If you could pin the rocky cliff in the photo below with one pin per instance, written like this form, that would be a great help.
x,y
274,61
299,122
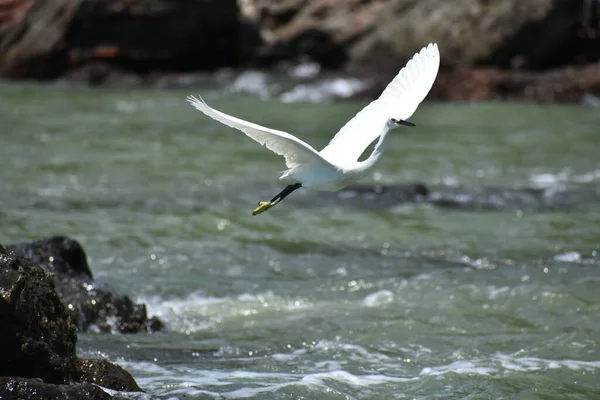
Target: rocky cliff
x,y
505,49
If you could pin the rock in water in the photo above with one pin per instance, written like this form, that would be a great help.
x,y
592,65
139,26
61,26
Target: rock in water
x,y
12,388
91,306
37,335
38,341
107,374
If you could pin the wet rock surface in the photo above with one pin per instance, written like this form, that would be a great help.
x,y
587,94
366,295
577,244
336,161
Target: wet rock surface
x,y
106,374
458,198
12,388
37,335
38,339
569,84
91,306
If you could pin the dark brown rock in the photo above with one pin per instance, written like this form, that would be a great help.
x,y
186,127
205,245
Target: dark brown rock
x,y
15,388
38,336
165,34
569,84
32,38
90,305
106,374
532,34
45,38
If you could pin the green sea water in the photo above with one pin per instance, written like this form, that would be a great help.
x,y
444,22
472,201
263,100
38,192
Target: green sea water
x,y
320,297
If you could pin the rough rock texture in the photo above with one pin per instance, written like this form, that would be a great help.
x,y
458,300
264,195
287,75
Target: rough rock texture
x,y
38,339
42,39
36,333
573,84
12,388
570,84
31,37
491,50
537,50
521,33
90,306
106,374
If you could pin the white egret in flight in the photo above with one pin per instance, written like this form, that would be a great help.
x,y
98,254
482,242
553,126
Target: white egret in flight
x,y
337,165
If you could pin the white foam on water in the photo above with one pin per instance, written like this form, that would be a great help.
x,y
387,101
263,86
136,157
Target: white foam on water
x,y
502,363
251,82
548,180
326,89
536,364
198,312
570,256
180,380
173,380
320,379
592,176
458,367
378,298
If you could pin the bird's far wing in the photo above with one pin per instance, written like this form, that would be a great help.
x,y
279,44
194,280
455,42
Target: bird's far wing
x,y
294,150
399,100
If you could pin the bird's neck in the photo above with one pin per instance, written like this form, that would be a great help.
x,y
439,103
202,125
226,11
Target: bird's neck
x,y
379,148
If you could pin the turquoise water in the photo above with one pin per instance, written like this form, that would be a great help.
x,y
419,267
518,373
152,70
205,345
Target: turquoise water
x,y
322,297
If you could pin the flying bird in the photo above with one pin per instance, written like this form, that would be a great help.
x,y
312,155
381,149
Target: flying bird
x,y
337,165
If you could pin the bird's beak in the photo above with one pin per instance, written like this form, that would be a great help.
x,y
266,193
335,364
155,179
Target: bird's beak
x,y
403,122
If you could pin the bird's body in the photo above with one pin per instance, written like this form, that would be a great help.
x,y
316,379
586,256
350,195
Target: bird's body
x,y
337,165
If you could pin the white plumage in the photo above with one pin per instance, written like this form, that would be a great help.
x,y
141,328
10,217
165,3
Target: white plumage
x,y
399,100
337,164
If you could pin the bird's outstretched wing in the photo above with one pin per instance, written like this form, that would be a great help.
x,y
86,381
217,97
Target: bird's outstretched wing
x,y
294,150
399,100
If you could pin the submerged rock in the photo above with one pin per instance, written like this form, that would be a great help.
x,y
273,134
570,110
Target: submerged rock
x,y
38,339
460,198
91,306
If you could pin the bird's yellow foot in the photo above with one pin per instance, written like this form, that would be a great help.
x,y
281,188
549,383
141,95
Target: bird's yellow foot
x,y
262,207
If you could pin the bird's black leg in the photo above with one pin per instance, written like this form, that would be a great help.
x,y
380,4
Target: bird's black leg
x,y
403,122
265,205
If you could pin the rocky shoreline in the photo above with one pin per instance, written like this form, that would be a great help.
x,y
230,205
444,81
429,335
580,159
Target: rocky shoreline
x,y
517,50
45,299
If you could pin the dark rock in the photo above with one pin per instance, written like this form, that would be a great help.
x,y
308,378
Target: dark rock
x,y
532,50
535,34
36,333
383,196
569,84
91,306
106,374
13,388
100,72
156,33
31,38
474,199
42,39
38,336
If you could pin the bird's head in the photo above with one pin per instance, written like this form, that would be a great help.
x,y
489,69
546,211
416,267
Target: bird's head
x,y
395,123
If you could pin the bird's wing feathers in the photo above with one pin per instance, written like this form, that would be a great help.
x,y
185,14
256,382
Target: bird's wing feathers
x,y
399,100
294,150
